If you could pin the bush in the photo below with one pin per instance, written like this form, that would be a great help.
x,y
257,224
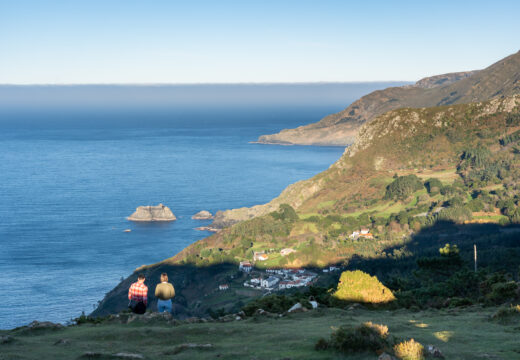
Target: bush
x,y
457,214
366,337
285,213
409,350
403,186
502,291
357,286
475,205
507,315
511,138
476,157
433,185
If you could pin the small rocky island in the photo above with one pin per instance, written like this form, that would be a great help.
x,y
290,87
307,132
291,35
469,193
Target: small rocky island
x,y
202,215
152,213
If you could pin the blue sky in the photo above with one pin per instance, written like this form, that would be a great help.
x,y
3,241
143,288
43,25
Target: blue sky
x,y
152,41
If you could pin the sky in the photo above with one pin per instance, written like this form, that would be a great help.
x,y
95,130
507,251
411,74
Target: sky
x,y
197,41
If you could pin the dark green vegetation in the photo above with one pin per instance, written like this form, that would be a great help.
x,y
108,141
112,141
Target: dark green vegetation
x,y
459,333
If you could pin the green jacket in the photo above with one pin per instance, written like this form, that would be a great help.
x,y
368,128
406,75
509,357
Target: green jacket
x,y
164,291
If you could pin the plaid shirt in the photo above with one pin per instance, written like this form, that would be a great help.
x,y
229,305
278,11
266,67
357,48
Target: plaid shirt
x,y
138,292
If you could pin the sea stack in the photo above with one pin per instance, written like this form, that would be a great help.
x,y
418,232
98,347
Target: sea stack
x,y
202,215
152,213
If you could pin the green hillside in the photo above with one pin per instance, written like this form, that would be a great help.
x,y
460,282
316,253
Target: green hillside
x,y
409,169
416,179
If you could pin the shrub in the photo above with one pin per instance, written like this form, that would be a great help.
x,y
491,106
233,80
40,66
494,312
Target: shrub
x,y
403,186
322,344
503,291
475,205
449,250
366,337
514,137
409,350
476,157
507,314
285,213
433,185
357,286
457,214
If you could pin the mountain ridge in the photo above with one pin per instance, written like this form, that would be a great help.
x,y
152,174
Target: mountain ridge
x,y
497,80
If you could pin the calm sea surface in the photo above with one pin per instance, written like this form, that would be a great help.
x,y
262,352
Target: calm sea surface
x,y
69,176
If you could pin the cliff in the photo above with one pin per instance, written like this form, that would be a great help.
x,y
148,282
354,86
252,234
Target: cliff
x,y
152,213
498,80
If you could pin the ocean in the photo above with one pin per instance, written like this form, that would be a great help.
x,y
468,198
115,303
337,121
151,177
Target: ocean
x,y
76,161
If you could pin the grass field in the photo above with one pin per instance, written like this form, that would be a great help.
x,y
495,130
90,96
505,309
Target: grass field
x,y
459,333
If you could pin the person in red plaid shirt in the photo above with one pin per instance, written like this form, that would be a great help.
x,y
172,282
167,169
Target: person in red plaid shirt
x,y
138,295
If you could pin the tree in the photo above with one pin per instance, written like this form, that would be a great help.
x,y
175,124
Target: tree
x,y
403,186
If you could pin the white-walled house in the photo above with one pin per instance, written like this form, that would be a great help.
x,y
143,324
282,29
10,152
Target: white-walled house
x,y
245,266
269,282
223,287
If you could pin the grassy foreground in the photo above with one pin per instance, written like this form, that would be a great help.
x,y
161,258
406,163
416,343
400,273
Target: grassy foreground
x,y
459,333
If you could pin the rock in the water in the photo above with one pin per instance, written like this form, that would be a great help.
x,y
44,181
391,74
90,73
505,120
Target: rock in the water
x,y
152,213
202,215
207,228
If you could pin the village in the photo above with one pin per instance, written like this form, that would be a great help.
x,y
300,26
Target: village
x,y
277,279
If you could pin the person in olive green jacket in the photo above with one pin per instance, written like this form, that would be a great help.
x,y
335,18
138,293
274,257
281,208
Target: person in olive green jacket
x,y
165,292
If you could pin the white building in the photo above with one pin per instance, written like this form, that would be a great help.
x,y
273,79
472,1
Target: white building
x,y
223,287
269,282
245,266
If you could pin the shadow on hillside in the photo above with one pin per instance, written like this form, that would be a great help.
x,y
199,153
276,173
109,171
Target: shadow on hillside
x,y
498,248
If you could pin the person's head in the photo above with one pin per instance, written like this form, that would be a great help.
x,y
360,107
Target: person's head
x,y
164,277
141,278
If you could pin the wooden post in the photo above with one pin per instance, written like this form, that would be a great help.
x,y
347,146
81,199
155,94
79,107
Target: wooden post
x,y
475,255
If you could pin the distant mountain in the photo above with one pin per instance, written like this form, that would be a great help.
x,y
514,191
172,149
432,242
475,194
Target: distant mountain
x,y
497,81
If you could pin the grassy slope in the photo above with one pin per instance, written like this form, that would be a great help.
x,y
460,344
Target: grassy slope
x,y
426,142
460,334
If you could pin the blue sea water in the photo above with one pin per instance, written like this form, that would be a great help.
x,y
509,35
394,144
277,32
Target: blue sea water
x,y
70,175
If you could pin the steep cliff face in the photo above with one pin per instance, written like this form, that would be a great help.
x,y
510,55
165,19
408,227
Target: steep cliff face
x,y
152,213
498,80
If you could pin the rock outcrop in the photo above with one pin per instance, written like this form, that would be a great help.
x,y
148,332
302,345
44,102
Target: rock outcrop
x,y
202,215
152,213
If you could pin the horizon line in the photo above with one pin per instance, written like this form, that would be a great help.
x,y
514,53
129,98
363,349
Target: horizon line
x,y
212,83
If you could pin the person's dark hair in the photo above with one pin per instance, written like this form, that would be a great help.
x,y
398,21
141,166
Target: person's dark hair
x,y
140,277
164,277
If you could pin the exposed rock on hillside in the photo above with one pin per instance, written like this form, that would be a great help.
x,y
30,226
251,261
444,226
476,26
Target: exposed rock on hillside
x,y
152,213
498,80
443,80
202,215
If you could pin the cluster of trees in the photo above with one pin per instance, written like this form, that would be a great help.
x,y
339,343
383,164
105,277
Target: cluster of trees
x,y
403,186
